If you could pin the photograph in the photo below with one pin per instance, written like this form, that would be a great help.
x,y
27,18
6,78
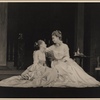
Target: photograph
x,y
49,50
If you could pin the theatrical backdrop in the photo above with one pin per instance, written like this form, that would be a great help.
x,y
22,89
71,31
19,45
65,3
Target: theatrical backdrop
x,y
22,24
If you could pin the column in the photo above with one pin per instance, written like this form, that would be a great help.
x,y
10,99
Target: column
x,y
79,28
3,33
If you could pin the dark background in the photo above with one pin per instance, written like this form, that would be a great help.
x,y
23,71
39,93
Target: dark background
x,y
38,20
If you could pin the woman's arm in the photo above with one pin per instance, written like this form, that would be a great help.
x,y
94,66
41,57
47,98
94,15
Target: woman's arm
x,y
35,59
49,48
66,53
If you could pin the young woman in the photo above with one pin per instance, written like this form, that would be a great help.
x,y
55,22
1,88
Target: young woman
x,y
36,75
69,72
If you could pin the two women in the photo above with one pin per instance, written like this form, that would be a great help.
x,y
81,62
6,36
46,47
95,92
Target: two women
x,y
64,71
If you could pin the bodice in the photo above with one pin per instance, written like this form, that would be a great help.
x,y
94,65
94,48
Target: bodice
x,y
39,57
58,54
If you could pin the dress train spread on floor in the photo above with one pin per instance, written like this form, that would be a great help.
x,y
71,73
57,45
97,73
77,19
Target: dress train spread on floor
x,y
65,72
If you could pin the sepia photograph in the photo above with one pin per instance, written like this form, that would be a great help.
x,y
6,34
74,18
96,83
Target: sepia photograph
x,y
49,50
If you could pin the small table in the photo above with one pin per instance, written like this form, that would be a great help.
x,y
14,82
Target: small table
x,y
97,71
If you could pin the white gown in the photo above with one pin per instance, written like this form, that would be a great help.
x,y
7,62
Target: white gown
x,y
65,72
36,75
70,73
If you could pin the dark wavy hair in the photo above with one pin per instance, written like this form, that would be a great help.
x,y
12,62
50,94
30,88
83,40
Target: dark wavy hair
x,y
37,44
57,33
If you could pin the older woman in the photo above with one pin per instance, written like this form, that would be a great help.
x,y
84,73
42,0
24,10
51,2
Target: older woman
x,y
70,73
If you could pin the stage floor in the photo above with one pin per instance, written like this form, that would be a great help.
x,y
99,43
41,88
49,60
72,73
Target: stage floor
x,y
44,92
8,73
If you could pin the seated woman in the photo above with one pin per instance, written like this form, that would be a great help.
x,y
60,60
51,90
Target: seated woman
x,y
70,74
37,74
39,64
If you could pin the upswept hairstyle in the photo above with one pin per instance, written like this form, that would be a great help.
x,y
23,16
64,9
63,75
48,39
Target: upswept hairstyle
x,y
57,33
38,43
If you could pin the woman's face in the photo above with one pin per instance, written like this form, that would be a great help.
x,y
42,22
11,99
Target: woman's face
x,y
43,45
55,39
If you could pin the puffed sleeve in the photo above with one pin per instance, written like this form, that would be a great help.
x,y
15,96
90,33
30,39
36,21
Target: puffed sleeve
x,y
66,52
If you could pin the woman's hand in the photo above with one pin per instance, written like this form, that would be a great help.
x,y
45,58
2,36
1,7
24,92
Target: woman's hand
x,y
24,77
31,79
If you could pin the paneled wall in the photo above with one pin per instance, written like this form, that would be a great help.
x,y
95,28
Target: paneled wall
x,y
3,33
92,35
79,28
12,34
95,36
